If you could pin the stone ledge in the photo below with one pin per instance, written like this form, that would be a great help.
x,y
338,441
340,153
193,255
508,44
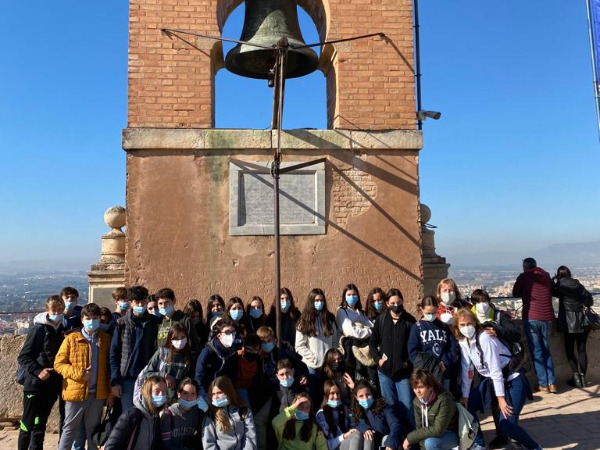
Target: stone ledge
x,y
299,139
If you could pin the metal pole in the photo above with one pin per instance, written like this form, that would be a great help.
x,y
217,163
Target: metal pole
x,y
417,60
592,48
279,78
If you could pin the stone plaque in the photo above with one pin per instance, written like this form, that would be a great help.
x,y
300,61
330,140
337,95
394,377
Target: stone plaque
x,y
301,199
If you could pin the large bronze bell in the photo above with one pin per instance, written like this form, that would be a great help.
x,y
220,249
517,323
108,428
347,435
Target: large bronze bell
x,y
265,23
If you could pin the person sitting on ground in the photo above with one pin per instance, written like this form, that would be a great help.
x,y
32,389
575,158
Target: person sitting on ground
x,y
296,428
374,419
228,424
435,414
138,428
334,420
181,422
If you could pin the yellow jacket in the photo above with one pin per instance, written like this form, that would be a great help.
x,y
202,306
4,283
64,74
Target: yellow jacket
x,y
73,357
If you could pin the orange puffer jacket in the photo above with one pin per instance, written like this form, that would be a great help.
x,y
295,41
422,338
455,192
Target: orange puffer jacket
x,y
73,357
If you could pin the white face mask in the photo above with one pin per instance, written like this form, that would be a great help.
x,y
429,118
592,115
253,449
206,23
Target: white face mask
x,y
178,344
468,331
448,297
482,308
227,340
429,317
447,318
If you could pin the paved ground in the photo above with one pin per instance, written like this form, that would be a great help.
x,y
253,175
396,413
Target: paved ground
x,y
567,420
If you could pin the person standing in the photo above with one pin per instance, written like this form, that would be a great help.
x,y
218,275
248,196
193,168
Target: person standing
x,y
389,348
42,384
534,286
572,300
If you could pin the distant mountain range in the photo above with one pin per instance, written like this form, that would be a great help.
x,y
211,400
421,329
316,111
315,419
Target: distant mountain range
x,y
584,254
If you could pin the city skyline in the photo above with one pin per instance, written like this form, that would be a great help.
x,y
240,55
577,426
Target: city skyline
x,y
510,166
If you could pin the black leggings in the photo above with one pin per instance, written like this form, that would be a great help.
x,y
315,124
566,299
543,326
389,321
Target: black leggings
x,y
578,364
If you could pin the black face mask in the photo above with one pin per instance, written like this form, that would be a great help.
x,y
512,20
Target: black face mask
x,y
338,366
396,309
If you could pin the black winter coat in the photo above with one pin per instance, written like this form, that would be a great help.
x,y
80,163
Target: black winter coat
x,y
572,298
38,353
391,340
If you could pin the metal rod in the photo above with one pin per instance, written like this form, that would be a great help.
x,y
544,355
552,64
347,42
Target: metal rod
x,y
335,41
169,31
417,61
301,165
592,48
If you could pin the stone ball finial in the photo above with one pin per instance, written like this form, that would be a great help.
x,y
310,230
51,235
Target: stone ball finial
x,y
115,217
425,214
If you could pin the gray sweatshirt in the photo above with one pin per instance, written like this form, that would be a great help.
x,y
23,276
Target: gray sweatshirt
x,y
241,437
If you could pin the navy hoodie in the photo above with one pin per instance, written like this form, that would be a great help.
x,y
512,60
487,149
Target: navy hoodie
x,y
434,338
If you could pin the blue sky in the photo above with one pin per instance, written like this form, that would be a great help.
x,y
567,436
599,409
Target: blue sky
x,y
512,164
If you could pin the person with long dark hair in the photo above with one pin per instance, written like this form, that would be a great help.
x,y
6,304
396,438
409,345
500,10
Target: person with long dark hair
x,y
289,318
334,420
255,313
181,422
193,309
573,298
375,303
334,369
375,419
296,428
317,332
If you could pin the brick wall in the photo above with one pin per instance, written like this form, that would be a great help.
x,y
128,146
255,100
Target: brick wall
x,y
370,83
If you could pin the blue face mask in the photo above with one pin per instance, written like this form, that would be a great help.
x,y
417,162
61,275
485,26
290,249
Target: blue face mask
x,y
139,310
159,400
366,403
69,306
301,416
220,402
334,403
166,311
236,314
202,404
267,347
319,306
378,306
124,306
287,382
256,313
351,300
55,317
187,404
91,325
285,304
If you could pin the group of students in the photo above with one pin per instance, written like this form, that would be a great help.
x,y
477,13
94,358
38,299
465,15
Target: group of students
x,y
365,377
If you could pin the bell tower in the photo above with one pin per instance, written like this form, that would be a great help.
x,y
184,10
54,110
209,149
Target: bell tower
x,y
198,205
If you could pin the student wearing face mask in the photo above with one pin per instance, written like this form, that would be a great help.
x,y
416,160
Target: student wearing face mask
x,y
133,344
173,362
485,354
389,347
41,383
375,303
181,423
166,301
139,427
334,369
334,420
375,419
235,312
317,332
218,357
228,424
255,311
431,344
72,314
296,426
289,318
356,329
82,361
449,300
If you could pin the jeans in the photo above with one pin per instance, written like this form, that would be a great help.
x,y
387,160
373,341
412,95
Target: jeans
x,y
515,395
446,441
315,386
538,338
89,412
399,395
127,394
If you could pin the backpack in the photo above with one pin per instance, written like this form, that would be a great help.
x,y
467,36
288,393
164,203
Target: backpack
x,y
467,427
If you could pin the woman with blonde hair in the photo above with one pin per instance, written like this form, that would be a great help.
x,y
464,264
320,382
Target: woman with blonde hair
x,y
449,300
228,424
138,428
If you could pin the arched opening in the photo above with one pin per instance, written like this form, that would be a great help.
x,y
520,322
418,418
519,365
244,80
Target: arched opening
x,y
248,103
